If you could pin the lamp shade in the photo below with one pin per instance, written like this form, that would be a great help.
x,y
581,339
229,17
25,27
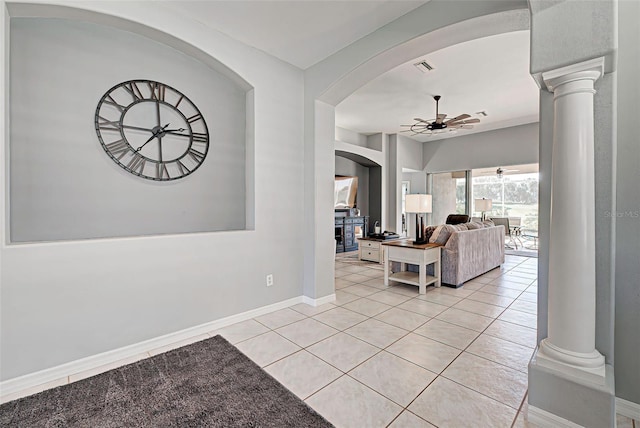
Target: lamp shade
x,y
483,204
418,203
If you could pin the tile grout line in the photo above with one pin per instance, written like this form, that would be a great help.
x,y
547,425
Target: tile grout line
x,y
369,317
520,408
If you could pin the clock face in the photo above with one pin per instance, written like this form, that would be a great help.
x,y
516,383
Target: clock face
x,y
152,130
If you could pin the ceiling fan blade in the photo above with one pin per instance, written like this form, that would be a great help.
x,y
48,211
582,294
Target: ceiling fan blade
x,y
417,119
466,127
440,118
462,116
462,122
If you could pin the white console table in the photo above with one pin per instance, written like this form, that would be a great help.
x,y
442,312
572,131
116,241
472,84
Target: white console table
x,y
406,252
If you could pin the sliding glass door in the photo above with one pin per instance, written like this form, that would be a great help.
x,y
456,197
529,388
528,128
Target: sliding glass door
x,y
513,191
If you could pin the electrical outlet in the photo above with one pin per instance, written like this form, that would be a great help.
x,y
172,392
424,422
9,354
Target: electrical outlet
x,y
269,280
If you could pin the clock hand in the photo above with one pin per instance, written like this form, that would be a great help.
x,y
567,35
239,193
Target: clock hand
x,y
158,111
177,132
137,127
155,134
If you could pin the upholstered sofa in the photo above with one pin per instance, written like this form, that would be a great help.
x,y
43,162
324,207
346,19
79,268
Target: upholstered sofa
x,y
470,253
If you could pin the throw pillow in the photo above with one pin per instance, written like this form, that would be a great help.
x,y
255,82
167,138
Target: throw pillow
x,y
475,225
442,233
428,231
488,223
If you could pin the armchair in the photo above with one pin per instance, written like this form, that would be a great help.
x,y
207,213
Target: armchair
x,y
457,219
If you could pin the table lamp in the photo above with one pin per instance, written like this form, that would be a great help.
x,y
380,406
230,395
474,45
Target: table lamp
x,y
418,204
483,205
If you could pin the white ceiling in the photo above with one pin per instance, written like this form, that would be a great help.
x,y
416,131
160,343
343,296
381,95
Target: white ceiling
x,y
489,74
300,32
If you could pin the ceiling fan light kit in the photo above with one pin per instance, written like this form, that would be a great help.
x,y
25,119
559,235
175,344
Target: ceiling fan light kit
x,y
439,125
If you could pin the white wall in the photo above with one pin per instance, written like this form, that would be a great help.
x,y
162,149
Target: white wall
x,y
68,300
63,184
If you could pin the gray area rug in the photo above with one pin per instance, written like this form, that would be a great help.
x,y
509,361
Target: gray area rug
x,y
205,384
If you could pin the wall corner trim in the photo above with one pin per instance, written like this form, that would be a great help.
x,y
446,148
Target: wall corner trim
x,y
321,301
628,408
52,377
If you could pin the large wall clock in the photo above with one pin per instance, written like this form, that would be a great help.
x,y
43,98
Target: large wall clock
x,y
152,130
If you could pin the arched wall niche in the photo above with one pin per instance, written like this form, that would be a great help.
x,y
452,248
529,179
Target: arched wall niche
x,y
67,47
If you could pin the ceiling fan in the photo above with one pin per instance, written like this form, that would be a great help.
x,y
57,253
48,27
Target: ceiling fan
x,y
501,171
439,125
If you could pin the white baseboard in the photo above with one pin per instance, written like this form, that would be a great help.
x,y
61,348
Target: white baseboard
x,y
545,419
32,383
628,408
321,301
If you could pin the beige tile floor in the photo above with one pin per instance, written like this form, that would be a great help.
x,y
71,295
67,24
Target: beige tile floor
x,y
388,357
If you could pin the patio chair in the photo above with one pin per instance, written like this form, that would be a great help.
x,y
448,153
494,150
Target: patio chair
x,y
509,231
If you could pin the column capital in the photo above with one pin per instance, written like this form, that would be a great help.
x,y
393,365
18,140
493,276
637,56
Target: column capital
x,y
590,70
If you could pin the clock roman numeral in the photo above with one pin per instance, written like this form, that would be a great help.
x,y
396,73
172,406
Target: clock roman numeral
x,y
118,148
194,118
182,167
161,171
196,155
114,103
200,137
179,100
133,90
108,125
137,163
158,90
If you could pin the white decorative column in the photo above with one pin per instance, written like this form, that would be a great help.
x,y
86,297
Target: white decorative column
x,y
572,287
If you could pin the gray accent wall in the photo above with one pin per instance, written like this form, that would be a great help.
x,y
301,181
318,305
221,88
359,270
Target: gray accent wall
x,y
63,186
508,146
376,192
64,301
627,212
404,154
444,197
348,167
589,404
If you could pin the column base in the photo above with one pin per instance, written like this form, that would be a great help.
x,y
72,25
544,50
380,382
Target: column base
x,y
569,393
589,367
